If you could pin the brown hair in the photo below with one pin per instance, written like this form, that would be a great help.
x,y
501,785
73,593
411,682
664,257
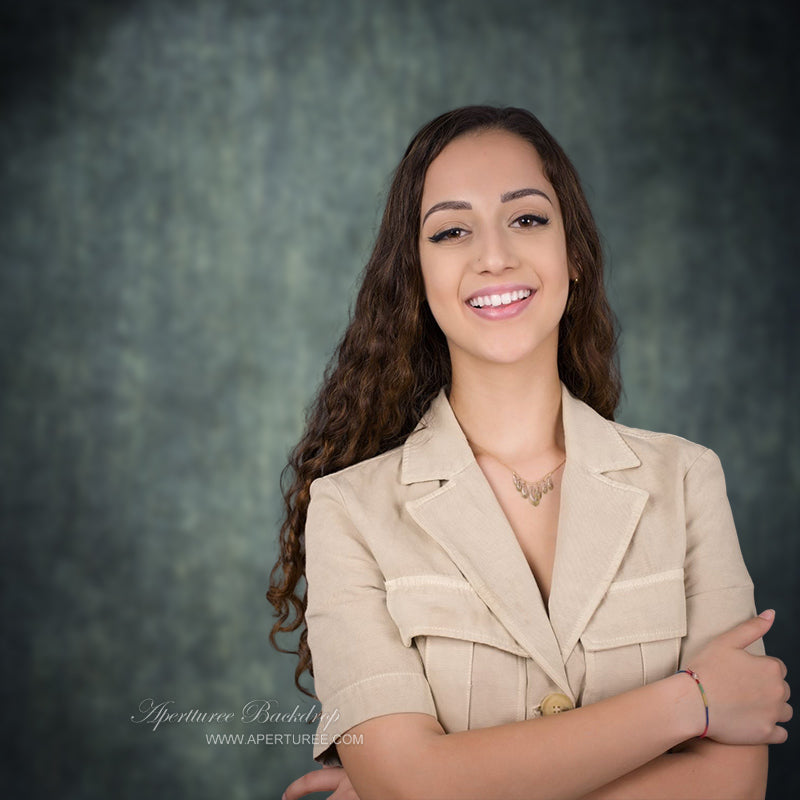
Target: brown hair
x,y
393,358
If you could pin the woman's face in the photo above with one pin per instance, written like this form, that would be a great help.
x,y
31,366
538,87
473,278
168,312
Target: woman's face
x,y
492,250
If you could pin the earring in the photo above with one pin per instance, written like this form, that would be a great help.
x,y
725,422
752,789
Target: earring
x,y
570,298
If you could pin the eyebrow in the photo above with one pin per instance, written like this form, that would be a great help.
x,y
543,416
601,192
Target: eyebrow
x,y
462,205
517,193
455,205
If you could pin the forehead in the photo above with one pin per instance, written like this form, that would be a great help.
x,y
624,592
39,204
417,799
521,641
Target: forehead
x,y
488,162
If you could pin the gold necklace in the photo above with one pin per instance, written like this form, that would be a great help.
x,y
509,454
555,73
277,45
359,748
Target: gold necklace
x,y
530,490
534,491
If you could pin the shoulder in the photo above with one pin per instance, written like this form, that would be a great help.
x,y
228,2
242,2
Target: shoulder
x,y
603,445
369,494
655,448
380,470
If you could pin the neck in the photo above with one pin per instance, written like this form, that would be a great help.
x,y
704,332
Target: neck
x,y
511,412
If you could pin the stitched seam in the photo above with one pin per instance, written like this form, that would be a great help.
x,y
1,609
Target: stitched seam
x,y
641,433
344,471
376,678
642,649
409,581
421,501
458,633
646,580
721,589
341,498
468,687
589,679
691,466
651,636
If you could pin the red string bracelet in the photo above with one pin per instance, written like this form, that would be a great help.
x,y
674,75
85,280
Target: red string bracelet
x,y
694,676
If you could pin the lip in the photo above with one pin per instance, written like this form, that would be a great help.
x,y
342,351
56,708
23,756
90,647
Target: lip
x,y
501,312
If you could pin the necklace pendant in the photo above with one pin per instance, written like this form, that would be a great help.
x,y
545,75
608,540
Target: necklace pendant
x,y
536,490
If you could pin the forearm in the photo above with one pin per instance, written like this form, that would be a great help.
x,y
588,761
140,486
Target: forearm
x,y
553,758
705,769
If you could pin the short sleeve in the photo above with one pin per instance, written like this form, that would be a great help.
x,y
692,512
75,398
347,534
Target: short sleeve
x,y
362,669
719,591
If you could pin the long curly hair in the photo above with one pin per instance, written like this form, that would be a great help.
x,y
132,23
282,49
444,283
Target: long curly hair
x,y
393,358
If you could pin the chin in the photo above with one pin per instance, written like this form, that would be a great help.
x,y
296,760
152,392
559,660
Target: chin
x,y
508,350
506,357
521,352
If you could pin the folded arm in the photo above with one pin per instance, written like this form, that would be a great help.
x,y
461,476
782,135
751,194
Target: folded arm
x,y
718,772
703,768
616,748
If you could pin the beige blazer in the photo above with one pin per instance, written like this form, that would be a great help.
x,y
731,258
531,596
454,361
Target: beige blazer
x,y
420,598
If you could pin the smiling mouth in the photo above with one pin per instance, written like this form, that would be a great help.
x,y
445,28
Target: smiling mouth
x,y
495,300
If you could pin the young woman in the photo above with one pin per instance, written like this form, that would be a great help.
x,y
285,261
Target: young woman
x,y
484,548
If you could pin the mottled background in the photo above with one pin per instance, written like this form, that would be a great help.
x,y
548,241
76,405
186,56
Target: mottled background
x,y
189,191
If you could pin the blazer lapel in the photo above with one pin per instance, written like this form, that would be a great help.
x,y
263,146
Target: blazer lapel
x,y
466,520
597,519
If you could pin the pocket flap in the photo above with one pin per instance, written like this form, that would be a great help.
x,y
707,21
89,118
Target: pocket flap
x,y
644,609
436,605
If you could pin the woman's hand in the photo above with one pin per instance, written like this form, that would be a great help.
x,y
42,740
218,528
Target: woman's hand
x,y
747,695
327,779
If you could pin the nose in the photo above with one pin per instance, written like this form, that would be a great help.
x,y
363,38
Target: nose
x,y
495,252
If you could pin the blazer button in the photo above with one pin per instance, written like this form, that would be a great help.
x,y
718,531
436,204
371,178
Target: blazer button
x,y
555,704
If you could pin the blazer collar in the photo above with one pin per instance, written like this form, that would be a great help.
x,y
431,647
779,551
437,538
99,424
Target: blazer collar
x,y
438,449
597,518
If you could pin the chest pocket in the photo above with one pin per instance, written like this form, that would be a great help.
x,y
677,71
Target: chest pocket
x,y
475,668
634,636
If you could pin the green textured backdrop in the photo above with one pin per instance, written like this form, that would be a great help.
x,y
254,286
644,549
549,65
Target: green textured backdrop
x,y
189,191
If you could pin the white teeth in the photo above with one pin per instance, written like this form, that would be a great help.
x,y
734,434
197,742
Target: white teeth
x,y
503,299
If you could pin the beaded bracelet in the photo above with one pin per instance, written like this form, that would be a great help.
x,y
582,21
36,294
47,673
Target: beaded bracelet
x,y
694,676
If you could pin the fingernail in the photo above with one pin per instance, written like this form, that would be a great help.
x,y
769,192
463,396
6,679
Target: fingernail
x,y
768,614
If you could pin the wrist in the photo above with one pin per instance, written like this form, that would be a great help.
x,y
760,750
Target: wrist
x,y
687,710
690,673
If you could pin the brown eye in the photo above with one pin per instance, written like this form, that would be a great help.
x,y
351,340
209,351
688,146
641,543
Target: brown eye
x,y
450,233
530,221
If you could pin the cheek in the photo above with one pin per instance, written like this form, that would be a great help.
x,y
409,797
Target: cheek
x,y
559,270
437,307
437,287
